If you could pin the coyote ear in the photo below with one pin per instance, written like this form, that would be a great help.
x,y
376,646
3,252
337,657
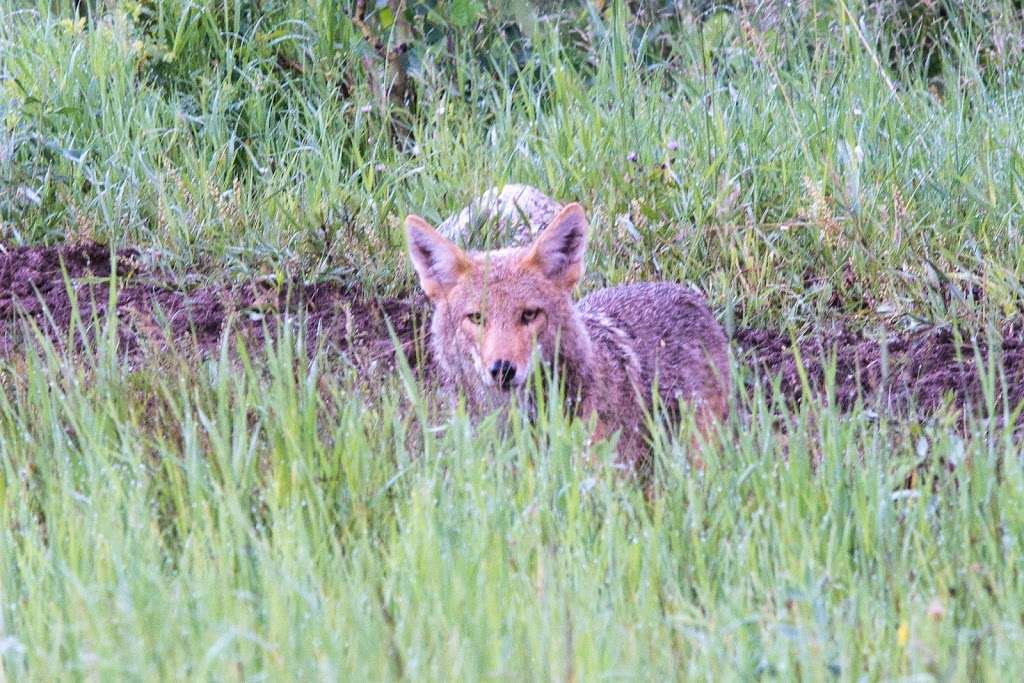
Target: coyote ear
x,y
558,251
437,261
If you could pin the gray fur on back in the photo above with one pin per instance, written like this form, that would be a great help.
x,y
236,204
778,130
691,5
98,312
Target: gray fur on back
x,y
678,345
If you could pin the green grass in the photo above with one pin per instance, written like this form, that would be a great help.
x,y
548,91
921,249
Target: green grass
x,y
809,159
261,518
277,516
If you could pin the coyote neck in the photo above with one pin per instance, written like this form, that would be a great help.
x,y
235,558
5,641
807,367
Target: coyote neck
x,y
599,361
576,364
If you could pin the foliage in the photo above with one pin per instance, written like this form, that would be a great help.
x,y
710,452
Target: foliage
x,y
274,515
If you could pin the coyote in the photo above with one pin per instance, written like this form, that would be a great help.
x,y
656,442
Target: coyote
x,y
497,313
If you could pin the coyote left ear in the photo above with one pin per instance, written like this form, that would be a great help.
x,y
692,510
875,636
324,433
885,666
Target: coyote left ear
x,y
558,252
439,263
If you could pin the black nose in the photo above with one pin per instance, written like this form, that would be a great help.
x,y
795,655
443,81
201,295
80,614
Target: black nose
x,y
503,373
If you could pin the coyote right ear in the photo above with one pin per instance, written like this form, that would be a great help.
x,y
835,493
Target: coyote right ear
x,y
558,251
437,261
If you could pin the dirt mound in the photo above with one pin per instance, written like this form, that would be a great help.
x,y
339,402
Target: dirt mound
x,y
926,370
52,288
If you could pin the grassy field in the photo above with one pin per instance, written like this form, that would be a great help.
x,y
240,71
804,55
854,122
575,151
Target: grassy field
x,y
269,514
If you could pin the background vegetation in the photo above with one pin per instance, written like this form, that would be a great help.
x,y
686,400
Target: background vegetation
x,y
273,516
764,151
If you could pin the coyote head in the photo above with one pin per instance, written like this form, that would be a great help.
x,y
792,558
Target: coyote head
x,y
495,312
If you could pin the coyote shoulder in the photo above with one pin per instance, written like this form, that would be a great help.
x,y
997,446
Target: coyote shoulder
x,y
496,313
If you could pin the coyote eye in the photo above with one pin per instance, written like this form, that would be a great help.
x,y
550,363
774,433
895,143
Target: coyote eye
x,y
475,318
529,315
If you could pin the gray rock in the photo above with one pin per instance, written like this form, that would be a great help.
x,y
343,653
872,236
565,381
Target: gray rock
x,y
512,215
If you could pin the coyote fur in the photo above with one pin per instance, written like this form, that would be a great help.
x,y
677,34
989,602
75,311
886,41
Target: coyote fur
x,y
497,313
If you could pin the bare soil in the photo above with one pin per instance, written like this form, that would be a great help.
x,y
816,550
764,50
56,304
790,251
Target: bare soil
x,y
926,370
52,288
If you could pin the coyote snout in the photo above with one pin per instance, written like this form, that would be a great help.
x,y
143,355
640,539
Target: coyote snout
x,y
503,373
498,313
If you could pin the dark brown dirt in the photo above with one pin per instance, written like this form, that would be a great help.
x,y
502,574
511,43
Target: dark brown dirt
x,y
154,316
927,370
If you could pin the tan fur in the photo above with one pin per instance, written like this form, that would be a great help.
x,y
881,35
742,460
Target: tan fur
x,y
612,348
